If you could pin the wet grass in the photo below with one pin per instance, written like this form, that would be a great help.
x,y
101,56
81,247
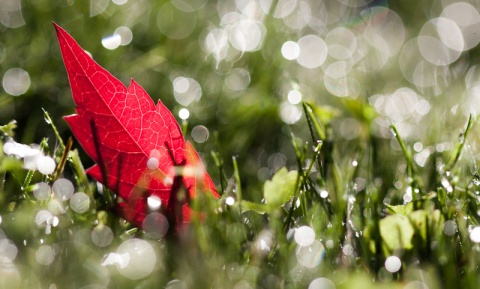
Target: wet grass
x,y
330,222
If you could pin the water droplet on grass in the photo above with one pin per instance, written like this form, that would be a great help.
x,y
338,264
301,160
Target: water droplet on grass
x,y
41,191
475,235
63,189
449,228
393,264
294,96
80,202
324,194
45,165
230,200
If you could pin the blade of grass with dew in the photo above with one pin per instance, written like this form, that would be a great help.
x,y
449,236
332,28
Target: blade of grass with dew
x,y
237,180
412,171
72,157
458,148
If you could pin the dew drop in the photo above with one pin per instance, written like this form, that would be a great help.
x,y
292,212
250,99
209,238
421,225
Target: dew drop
x,y
154,203
294,96
42,217
324,194
475,235
41,191
63,189
449,228
80,202
184,114
153,163
393,264
45,165
230,200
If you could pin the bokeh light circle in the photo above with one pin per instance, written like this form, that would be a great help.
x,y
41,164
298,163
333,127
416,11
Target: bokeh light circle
x,y
8,250
169,18
341,43
186,90
102,235
16,81
155,225
475,235
200,134
80,202
290,50
45,255
246,35
313,51
304,236
393,264
311,256
321,283
139,256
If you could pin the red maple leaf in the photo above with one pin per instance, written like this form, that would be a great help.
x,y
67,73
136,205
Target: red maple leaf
x,y
137,146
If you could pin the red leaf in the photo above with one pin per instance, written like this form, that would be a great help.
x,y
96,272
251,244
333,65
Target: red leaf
x,y
136,144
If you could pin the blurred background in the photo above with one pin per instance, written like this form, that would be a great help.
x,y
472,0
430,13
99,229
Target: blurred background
x,y
238,70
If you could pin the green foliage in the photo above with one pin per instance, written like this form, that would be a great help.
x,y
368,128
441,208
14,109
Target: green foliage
x,y
280,189
313,193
